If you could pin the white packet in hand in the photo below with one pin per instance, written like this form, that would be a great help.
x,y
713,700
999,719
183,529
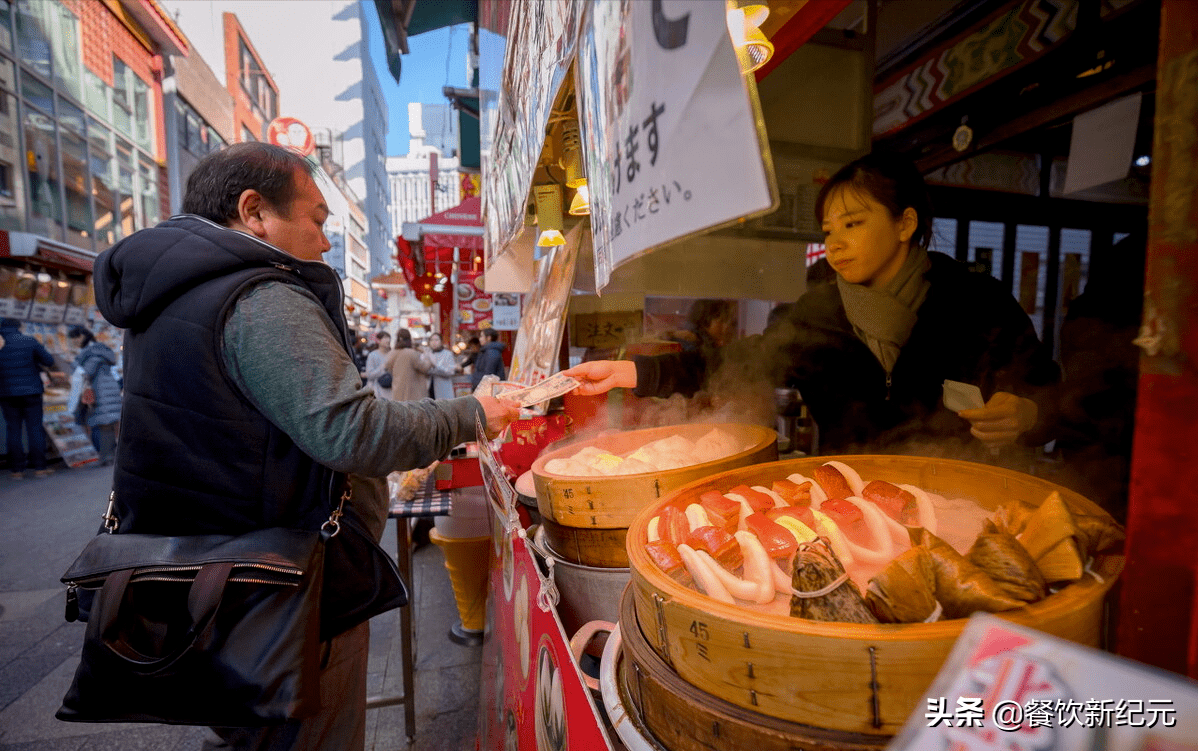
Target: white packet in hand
x,y
959,396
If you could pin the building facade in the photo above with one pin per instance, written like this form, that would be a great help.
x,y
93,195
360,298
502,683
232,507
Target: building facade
x,y
82,144
255,94
410,177
330,86
198,110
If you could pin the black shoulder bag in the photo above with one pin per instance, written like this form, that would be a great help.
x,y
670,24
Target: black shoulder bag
x,y
214,629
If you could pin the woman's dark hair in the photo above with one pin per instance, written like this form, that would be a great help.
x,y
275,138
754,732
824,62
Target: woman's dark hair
x,y
77,331
403,339
892,181
216,184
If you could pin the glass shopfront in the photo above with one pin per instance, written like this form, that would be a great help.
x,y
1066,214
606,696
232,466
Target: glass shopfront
x,y
76,155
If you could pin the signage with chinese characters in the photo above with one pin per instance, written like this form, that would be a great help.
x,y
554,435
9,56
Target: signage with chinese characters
x,y
1010,688
672,137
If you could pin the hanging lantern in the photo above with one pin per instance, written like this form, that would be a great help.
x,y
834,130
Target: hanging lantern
x,y
427,300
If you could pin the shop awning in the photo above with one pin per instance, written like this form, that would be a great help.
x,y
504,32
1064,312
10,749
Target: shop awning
x,y
43,250
432,240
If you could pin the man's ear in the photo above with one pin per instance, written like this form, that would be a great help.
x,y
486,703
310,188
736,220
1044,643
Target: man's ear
x,y
908,222
249,212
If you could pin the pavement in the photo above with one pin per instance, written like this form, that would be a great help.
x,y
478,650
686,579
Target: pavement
x,y
45,522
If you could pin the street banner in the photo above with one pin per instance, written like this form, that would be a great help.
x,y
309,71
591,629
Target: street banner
x,y
672,136
475,307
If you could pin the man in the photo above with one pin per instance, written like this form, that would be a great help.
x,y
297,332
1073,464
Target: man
x,y
21,392
243,404
444,367
490,358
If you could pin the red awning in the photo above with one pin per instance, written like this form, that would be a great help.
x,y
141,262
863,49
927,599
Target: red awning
x,y
468,213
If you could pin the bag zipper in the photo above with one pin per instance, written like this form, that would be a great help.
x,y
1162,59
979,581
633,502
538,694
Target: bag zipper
x,y
143,574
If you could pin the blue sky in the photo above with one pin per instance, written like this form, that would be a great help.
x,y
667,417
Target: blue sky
x,y
437,59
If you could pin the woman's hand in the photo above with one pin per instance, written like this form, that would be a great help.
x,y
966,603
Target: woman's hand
x,y
500,412
1004,418
601,376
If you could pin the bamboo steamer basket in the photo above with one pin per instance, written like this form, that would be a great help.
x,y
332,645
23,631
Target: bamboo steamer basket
x,y
586,518
684,718
863,678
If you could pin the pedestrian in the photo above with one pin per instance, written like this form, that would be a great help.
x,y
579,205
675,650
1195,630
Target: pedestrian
x,y
244,408
409,368
470,355
445,366
21,390
94,375
490,358
375,365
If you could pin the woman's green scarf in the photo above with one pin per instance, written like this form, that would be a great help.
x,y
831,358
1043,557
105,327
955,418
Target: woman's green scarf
x,y
883,319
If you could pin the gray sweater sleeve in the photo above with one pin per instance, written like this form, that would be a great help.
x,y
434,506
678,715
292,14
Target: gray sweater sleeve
x,y
287,358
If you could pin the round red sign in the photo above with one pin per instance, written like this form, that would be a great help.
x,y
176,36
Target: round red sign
x,y
291,134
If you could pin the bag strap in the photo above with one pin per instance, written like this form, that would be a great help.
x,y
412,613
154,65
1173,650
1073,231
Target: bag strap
x,y
329,528
203,600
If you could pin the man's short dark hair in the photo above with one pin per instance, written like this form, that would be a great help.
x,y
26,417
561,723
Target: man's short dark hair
x,y
490,335
217,182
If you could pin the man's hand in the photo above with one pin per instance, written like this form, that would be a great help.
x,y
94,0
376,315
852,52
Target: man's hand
x,y
601,376
1004,418
500,412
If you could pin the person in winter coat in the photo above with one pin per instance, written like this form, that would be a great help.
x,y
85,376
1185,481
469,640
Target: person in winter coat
x,y
445,365
376,365
870,352
490,358
94,363
244,408
409,368
21,392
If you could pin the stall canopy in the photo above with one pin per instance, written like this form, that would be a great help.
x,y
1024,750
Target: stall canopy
x,y
431,241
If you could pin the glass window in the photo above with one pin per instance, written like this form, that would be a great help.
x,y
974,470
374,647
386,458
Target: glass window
x,y
124,185
142,126
985,248
5,27
215,142
80,224
149,193
944,236
99,141
67,61
247,134
1031,271
41,161
95,94
195,142
33,34
36,92
122,98
70,116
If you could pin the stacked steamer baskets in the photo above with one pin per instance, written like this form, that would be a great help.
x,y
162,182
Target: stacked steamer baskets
x,y
584,519
697,673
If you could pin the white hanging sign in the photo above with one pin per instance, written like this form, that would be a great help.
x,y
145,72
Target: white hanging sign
x,y
671,137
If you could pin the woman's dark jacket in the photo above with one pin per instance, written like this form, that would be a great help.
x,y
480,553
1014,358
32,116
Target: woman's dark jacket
x,y
97,360
969,329
19,360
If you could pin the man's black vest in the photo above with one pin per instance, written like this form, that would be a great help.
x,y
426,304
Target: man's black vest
x,y
194,455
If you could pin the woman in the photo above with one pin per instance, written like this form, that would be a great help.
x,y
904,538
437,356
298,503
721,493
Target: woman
x,y
870,352
376,365
409,370
94,363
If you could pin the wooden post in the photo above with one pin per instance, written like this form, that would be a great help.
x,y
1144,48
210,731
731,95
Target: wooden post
x,y
1157,608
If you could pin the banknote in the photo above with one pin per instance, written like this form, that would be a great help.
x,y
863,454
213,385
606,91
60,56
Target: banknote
x,y
554,385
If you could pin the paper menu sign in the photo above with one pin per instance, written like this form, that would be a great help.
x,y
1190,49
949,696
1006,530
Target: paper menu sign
x,y
1010,688
959,396
670,130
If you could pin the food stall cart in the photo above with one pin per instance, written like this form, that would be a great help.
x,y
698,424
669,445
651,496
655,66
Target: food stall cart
x,y
587,61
